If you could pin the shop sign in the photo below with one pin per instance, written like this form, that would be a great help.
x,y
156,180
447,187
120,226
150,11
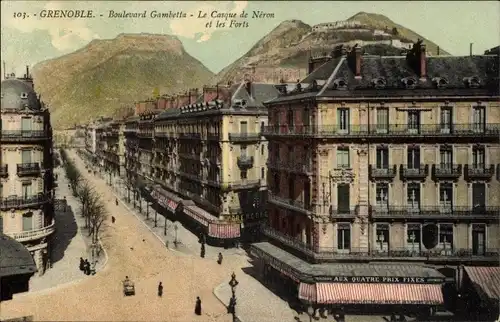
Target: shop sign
x,y
379,279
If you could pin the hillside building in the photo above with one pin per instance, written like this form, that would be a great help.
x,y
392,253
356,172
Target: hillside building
x,y
26,170
383,159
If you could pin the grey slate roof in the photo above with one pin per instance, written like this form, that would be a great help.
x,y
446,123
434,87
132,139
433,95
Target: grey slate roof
x,y
346,269
15,259
19,95
168,113
395,68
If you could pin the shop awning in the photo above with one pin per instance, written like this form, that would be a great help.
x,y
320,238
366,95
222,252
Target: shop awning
x,y
373,293
223,230
307,292
487,279
165,199
199,215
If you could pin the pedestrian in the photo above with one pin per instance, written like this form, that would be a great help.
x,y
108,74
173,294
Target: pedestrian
x,y
202,252
197,308
113,219
219,260
160,290
87,267
82,264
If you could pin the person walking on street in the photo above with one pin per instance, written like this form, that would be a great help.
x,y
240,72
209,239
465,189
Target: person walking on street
x,y
219,260
160,290
197,308
87,267
82,264
202,253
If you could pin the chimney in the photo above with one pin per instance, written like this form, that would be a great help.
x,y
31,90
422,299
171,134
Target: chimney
x,y
248,87
27,71
470,49
422,61
209,93
438,51
354,61
193,95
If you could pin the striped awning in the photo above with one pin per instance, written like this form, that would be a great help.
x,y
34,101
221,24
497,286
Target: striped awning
x,y
198,215
165,199
307,292
487,279
372,293
223,230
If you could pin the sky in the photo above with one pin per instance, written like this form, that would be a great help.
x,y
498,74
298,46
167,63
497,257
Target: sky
x,y
30,39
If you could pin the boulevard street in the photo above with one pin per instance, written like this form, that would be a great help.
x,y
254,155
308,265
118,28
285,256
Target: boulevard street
x,y
133,251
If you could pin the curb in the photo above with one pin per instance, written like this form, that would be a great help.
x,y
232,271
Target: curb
x,y
216,291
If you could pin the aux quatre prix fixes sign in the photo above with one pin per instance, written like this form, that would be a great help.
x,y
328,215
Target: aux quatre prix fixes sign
x,y
379,279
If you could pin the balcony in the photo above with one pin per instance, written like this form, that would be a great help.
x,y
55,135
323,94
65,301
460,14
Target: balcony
x,y
343,213
4,171
213,137
28,169
382,173
446,171
472,130
23,136
245,162
294,166
327,254
190,136
414,173
240,185
191,156
443,212
34,234
20,202
479,172
244,137
295,205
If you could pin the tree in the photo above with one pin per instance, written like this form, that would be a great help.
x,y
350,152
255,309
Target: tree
x,y
97,214
85,194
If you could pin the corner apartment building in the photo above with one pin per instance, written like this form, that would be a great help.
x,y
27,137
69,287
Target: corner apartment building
x,y
212,152
26,170
383,159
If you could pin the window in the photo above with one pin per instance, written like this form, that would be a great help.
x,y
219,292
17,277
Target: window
x,y
478,239
478,157
26,156
243,127
344,236
28,221
413,196
243,175
478,118
413,237
382,158
291,188
276,184
413,158
382,237
343,196
343,119
26,190
446,238
343,158
478,197
243,150
26,124
262,126
446,158
414,121
305,117
382,196
262,172
382,120
262,149
446,196
1,223
446,117
290,153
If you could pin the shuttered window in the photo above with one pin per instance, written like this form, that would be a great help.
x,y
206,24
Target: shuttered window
x,y
343,158
343,198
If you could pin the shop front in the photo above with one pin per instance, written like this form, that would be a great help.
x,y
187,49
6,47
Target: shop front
x,y
216,232
166,202
371,288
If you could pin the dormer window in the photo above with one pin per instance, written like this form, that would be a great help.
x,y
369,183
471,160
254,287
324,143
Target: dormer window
x,y
379,82
472,82
299,87
440,82
339,83
24,95
409,82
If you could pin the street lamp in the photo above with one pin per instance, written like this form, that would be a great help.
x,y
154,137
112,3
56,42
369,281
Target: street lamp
x,y
310,312
165,227
232,302
156,215
175,238
147,209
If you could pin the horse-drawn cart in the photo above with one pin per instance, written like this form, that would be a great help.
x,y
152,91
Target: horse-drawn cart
x,y
128,287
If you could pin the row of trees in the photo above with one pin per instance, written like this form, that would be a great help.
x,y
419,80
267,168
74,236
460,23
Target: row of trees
x,y
91,205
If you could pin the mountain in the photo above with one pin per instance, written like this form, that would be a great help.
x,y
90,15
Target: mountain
x,y
283,53
107,76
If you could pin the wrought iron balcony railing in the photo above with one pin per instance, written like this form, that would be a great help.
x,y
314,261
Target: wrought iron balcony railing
x,y
23,135
240,185
213,137
409,173
445,211
190,136
244,162
294,166
34,234
28,169
479,171
4,171
292,204
23,201
244,137
384,173
410,252
392,130
446,171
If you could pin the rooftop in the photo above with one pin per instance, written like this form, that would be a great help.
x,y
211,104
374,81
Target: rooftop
x,y
15,259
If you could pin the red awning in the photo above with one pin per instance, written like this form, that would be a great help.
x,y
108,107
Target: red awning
x,y
372,293
486,278
164,200
198,214
307,292
223,230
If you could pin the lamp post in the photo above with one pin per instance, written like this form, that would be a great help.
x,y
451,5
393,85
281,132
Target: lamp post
x,y
232,302
310,312
147,209
175,238
165,227
156,216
